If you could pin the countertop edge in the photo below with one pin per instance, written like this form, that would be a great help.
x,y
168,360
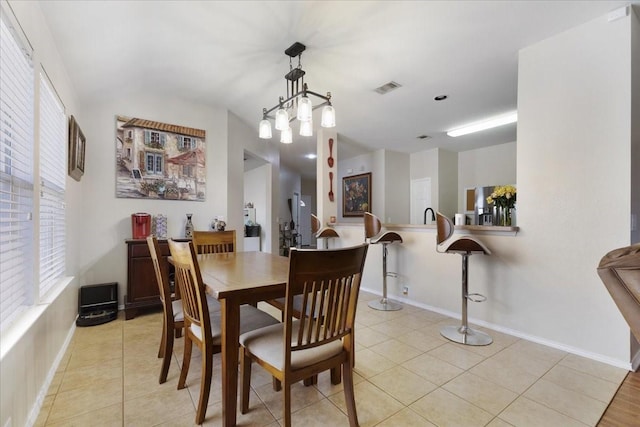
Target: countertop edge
x,y
420,227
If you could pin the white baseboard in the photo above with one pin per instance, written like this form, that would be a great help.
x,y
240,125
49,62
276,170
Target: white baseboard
x,y
37,406
553,344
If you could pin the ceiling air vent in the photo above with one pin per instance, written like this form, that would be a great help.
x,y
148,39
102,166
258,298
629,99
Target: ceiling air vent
x,y
387,87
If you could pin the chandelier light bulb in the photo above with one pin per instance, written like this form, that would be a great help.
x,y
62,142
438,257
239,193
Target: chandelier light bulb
x,y
265,129
286,136
306,128
305,109
282,119
328,117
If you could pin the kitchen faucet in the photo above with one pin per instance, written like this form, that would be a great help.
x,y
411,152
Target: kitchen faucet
x,y
433,216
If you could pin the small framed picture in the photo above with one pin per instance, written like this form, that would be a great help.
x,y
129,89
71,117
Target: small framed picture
x,y
77,146
356,195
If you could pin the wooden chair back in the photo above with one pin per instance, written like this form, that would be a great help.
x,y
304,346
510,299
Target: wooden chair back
x,y
213,242
372,225
329,283
191,287
172,321
162,275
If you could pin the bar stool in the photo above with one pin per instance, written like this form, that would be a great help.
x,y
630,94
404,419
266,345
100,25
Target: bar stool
x,y
372,231
319,232
465,246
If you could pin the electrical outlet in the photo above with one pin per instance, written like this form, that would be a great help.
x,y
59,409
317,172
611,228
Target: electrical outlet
x,y
405,290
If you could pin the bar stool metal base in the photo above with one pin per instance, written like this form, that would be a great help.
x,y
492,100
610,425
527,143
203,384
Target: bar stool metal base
x,y
466,336
385,305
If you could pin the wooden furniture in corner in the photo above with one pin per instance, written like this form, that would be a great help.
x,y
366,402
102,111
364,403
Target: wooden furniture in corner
x,y
142,291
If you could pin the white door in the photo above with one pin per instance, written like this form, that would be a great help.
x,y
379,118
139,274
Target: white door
x,y
420,200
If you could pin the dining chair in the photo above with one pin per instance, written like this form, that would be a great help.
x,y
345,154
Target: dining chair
x,y
213,242
200,326
329,282
172,318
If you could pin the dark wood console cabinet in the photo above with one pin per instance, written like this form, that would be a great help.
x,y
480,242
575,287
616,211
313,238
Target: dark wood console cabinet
x,y
142,289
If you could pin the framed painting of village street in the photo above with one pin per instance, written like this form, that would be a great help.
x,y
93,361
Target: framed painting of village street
x,y
157,160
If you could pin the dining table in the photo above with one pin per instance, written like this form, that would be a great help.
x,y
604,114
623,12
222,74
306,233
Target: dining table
x,y
238,278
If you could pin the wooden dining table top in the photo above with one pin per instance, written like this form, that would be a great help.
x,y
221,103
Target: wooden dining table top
x,y
238,274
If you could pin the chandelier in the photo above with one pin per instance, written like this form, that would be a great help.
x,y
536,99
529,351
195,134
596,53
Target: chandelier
x,y
297,104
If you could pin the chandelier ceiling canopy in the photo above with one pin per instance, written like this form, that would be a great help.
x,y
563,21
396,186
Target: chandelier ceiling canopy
x,y
297,105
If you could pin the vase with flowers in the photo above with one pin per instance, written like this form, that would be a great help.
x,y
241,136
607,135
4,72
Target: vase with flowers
x,y
504,199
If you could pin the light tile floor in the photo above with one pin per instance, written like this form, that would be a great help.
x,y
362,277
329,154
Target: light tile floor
x,y
406,375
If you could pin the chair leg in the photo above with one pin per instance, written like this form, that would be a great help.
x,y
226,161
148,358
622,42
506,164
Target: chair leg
x,y
276,383
186,360
167,355
205,384
245,384
178,333
310,380
286,408
336,376
163,340
349,395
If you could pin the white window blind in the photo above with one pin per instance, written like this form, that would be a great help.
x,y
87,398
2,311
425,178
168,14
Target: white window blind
x,y
52,178
16,175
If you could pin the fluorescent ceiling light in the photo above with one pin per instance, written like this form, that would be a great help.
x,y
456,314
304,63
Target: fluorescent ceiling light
x,y
485,124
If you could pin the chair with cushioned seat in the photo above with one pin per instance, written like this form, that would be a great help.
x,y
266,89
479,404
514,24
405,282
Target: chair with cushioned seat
x,y
329,282
172,319
465,246
375,235
320,232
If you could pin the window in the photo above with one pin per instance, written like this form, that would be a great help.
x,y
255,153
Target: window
x,y
154,163
53,125
154,139
186,143
16,173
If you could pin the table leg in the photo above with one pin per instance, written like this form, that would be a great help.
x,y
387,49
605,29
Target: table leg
x,y
230,318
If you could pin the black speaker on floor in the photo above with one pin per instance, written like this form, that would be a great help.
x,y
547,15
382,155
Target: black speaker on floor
x,y
97,304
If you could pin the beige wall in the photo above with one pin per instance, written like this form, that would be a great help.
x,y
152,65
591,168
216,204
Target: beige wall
x,y
574,184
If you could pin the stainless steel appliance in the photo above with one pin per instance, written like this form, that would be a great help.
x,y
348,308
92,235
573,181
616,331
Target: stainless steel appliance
x,y
483,212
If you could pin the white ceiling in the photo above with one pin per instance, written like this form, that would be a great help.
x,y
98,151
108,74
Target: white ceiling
x,y
230,54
